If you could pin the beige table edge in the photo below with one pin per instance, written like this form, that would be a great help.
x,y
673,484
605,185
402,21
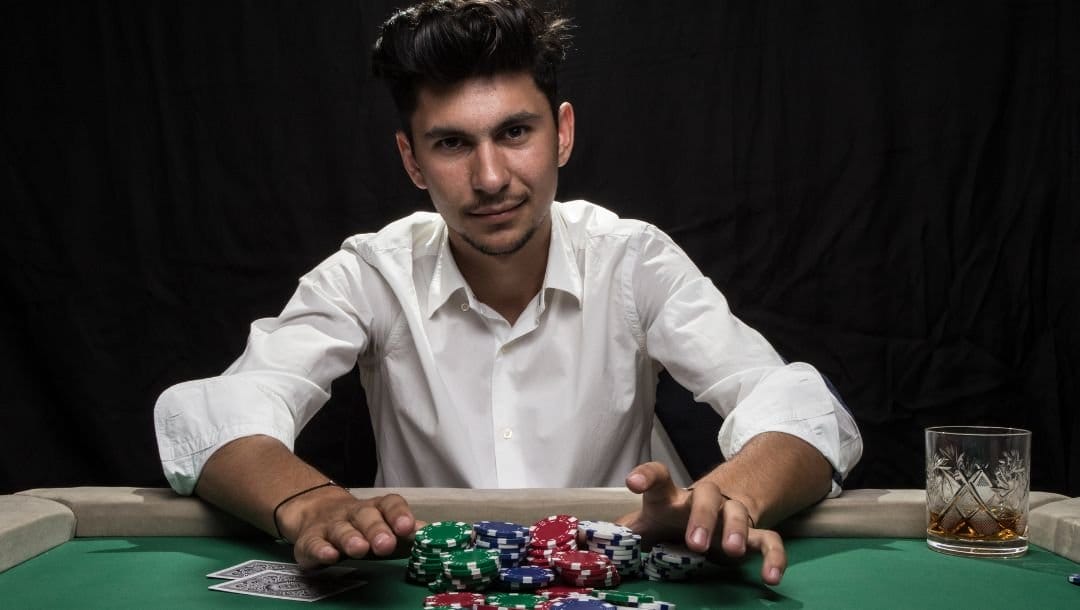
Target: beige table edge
x,y
30,526
132,511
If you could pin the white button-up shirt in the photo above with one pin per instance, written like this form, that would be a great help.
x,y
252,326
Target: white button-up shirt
x,y
458,397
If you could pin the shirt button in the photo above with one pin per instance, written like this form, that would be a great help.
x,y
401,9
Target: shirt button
x,y
464,307
508,433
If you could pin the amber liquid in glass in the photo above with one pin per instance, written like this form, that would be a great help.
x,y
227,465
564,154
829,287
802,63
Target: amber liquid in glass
x,y
1008,522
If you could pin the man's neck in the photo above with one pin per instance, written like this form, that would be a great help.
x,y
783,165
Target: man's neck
x,y
506,283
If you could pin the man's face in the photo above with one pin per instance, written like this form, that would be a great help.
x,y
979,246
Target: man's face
x,y
488,150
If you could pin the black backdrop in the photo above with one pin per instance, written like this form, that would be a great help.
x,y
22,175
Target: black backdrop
x,y
887,190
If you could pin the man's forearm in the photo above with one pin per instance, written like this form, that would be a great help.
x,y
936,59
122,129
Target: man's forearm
x,y
774,475
249,476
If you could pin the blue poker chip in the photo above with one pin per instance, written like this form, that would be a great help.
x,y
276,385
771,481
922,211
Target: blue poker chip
x,y
480,544
528,575
607,531
618,553
1073,578
676,555
501,529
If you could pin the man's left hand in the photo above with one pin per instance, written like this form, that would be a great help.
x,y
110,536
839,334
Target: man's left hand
x,y
707,521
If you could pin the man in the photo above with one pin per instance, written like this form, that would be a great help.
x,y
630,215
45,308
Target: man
x,y
506,341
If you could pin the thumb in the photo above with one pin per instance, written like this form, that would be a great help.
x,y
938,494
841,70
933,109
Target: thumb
x,y
653,480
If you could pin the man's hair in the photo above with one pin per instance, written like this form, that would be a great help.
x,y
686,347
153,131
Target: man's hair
x,y
442,42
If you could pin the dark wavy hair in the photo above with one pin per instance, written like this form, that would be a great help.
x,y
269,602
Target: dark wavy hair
x,y
441,42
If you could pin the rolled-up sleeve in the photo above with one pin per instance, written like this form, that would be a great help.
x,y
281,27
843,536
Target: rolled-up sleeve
x,y
690,329
279,382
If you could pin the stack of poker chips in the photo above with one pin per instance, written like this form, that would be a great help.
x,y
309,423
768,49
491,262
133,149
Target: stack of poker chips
x,y
671,562
618,543
522,601
525,578
585,569
511,540
454,599
549,536
431,544
470,569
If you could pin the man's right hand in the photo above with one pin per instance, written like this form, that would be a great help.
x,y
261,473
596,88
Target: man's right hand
x,y
250,476
329,524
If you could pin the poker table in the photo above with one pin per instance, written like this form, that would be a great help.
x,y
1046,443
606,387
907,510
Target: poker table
x,y
148,548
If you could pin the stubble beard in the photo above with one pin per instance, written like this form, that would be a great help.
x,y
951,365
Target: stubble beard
x,y
511,249
514,246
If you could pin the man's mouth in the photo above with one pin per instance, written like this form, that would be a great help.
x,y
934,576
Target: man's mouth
x,y
497,210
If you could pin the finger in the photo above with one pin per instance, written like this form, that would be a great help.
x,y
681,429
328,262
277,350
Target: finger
x,y
706,502
396,512
654,481
774,558
736,519
348,539
313,551
371,523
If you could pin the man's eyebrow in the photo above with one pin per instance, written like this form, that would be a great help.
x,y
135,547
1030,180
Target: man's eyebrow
x,y
438,133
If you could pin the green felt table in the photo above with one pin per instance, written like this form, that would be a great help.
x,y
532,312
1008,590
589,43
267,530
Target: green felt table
x,y
169,572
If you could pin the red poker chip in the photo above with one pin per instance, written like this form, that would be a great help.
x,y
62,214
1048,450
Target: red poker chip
x,y
464,599
578,574
559,591
556,541
555,527
583,580
545,553
580,560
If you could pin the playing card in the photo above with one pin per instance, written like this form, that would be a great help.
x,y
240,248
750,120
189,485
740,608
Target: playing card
x,y
296,587
254,566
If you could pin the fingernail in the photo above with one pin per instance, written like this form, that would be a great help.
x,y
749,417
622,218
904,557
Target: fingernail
x,y
699,537
636,479
381,539
401,524
774,574
735,539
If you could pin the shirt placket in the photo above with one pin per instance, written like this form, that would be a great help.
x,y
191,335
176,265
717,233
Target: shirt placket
x,y
510,462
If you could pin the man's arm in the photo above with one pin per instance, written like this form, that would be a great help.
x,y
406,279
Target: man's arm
x,y
249,476
774,476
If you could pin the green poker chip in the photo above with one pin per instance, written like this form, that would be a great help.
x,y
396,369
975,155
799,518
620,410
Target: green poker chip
x,y
525,601
444,535
623,598
439,585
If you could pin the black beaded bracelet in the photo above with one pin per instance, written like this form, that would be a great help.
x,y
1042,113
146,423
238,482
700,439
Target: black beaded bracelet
x,y
277,526
727,498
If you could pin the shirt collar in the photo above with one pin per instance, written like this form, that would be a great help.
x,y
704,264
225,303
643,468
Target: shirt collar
x,y
562,270
446,279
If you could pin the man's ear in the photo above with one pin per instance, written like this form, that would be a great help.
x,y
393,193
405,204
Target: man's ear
x,y
566,132
408,160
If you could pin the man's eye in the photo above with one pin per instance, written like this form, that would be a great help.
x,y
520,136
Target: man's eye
x,y
517,132
449,143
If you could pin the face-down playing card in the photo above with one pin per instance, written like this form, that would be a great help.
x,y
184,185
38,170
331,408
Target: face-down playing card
x,y
294,584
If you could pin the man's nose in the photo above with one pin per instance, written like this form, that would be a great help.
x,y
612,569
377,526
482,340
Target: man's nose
x,y
489,172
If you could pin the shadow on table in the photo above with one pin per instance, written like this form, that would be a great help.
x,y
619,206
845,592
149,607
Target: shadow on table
x,y
1037,559
197,547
